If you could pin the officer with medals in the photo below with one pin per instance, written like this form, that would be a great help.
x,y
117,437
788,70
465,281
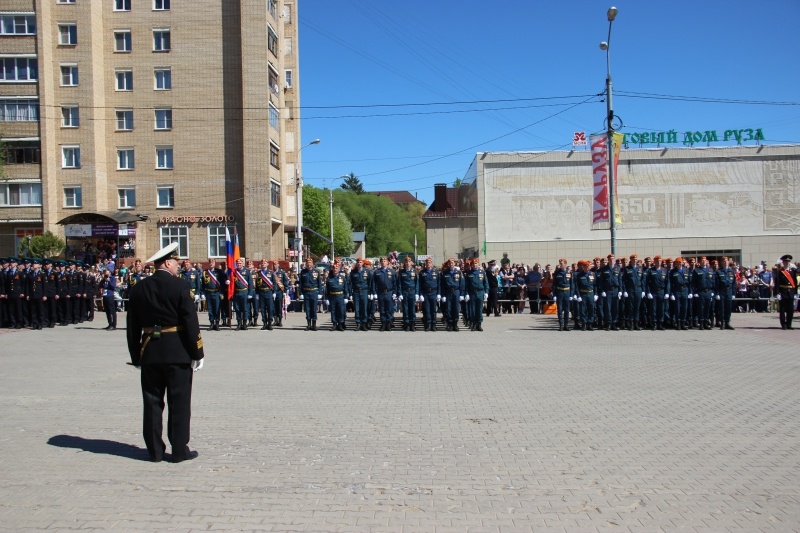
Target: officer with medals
x,y
477,293
408,289
725,292
50,289
3,296
164,342
384,292
337,291
562,293
786,280
452,285
210,288
632,283
252,302
430,293
15,293
309,284
242,294
585,282
265,294
191,275
79,296
225,302
372,302
360,282
656,286
281,282
35,294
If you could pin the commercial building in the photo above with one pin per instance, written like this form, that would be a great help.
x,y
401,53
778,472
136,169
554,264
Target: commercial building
x,y
741,201
150,121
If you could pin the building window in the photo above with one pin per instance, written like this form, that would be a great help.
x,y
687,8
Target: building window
x,y
68,34
70,157
274,156
163,76
70,116
19,110
125,159
163,119
275,194
66,1
166,196
161,5
122,41
216,241
272,41
69,75
124,80
179,234
20,194
124,119
164,157
274,116
22,153
287,14
127,197
19,69
17,24
73,197
287,46
273,80
122,5
161,41
273,8
289,78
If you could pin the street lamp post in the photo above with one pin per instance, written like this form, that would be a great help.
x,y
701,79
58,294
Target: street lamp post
x,y
298,190
333,249
606,45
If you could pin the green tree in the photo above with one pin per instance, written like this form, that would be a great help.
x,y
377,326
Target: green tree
x,y
352,183
45,245
316,216
457,183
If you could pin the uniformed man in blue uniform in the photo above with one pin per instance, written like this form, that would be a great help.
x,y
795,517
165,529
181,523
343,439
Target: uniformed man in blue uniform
x,y
724,292
384,291
609,287
265,294
211,287
252,303
281,282
703,289
429,291
309,287
15,293
477,287
360,283
585,285
562,293
632,292
337,290
50,290
679,282
242,294
657,286
192,275
408,289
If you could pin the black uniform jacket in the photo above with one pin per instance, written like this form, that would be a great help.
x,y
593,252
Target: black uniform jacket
x,y
164,300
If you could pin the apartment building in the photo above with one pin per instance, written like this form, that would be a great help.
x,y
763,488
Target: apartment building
x,y
150,121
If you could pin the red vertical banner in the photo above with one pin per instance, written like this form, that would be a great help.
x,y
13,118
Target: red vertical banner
x,y
601,214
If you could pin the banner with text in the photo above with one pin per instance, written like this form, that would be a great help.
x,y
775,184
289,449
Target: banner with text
x,y
600,212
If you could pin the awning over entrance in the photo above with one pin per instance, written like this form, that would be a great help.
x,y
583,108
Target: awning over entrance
x,y
105,217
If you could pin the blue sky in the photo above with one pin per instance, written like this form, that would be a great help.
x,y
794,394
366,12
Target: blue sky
x,y
524,75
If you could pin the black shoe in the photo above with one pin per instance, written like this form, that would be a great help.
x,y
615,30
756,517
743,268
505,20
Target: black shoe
x,y
789,327
191,454
263,327
589,327
566,328
636,328
269,326
583,327
613,328
728,326
313,325
433,327
455,327
479,328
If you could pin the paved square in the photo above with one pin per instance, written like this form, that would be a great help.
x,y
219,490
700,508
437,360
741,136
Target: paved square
x,y
518,428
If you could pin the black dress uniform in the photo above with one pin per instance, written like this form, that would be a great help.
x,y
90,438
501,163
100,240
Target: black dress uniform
x,y
164,302
786,280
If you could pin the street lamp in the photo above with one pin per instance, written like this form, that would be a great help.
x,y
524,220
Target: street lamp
x,y
298,190
333,250
606,45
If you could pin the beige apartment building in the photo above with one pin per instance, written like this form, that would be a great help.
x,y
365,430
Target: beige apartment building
x,y
150,121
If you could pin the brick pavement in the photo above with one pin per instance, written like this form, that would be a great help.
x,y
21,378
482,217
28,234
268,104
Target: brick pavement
x,y
519,428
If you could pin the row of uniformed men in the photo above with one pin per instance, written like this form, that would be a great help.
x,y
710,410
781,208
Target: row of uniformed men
x,y
41,293
611,294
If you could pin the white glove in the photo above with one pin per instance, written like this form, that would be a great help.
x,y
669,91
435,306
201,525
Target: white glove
x,y
779,297
327,302
444,298
696,295
603,294
394,297
274,296
227,282
797,296
197,365
595,298
580,299
625,294
552,297
466,298
460,298
249,297
346,300
733,297
374,296
419,298
203,297
196,298
485,297
718,297
400,298
642,294
690,295
649,295
438,297
712,294
672,297
301,298
319,297
619,295
369,297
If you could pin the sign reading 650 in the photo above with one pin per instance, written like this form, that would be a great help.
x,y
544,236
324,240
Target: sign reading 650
x,y
637,206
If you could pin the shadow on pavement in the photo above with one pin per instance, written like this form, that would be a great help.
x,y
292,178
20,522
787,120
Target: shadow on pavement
x,y
107,447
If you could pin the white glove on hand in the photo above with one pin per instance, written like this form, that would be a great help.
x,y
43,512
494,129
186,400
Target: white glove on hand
x,y
197,365
394,297
374,296
196,298
444,299
595,298
603,294
301,298
719,298
400,298
227,282
203,297
712,294
649,296
460,298
346,300
625,294
733,297
419,298
485,297
779,297
438,297
619,295
672,297
580,299
319,297
274,296
369,297
690,295
466,298
642,294
552,297
327,302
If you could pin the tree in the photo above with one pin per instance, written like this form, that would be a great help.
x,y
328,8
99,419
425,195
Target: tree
x,y
45,245
457,183
316,216
352,183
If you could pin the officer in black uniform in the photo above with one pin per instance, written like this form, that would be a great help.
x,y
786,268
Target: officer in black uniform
x,y
562,293
50,288
164,341
786,280
36,294
15,293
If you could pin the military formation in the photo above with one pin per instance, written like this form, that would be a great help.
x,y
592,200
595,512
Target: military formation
x,y
606,293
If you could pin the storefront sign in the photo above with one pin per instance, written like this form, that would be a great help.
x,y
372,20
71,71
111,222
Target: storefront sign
x,y
191,219
78,230
690,138
99,230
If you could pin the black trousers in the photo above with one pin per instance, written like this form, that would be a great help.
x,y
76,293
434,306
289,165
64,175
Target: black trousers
x,y
176,381
110,304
